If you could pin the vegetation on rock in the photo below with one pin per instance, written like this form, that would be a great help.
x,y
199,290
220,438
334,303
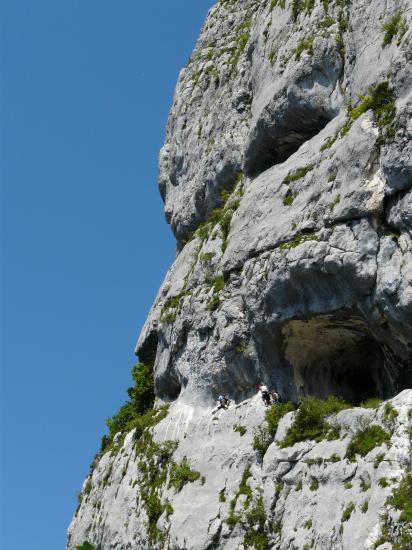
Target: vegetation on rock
x,y
381,101
138,411
310,420
365,440
395,26
85,546
264,435
180,474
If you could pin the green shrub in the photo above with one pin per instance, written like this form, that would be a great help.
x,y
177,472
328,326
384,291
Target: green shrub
x,y
280,3
365,440
328,142
142,393
299,239
264,435
222,216
275,413
333,458
138,411
277,527
401,498
85,546
244,488
310,420
180,474
399,538
389,412
365,507
256,536
364,485
240,429
299,6
214,302
312,461
289,198
371,403
232,519
172,305
382,102
328,22
261,440
154,465
378,459
207,257
273,56
314,484
218,283
395,26
383,482
304,44
298,173
348,511
308,524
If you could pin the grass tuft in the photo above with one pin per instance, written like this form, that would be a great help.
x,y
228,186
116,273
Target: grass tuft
x,y
365,440
310,420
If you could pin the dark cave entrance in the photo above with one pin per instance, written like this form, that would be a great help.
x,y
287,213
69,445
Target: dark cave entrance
x,y
336,355
274,141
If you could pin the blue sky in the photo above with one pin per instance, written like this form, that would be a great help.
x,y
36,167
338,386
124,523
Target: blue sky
x,y
86,86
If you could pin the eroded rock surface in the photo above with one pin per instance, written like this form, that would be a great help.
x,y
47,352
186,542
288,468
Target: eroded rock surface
x,y
286,176
305,488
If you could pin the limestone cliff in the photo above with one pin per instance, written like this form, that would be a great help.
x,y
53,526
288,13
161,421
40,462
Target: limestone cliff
x,y
287,180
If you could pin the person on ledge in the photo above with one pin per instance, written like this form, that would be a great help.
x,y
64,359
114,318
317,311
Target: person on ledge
x,y
222,403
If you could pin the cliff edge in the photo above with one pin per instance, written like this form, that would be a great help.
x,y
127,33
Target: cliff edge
x,y
286,176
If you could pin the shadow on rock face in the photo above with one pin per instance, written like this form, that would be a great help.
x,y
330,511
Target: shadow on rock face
x,y
336,355
331,354
280,132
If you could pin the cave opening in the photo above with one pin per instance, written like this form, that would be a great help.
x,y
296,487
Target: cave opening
x,y
336,355
274,141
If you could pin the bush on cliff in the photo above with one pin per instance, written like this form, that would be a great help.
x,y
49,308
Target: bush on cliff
x,y
85,546
138,411
310,420
264,435
365,440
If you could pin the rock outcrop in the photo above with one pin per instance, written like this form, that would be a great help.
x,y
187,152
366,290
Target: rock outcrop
x,y
287,180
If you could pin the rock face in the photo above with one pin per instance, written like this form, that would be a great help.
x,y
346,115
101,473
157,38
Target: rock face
x,y
286,176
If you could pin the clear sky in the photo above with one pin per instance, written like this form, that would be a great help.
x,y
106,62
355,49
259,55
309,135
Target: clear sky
x,y
86,86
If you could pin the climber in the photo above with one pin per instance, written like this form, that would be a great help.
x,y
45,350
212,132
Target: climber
x,y
222,403
274,397
264,392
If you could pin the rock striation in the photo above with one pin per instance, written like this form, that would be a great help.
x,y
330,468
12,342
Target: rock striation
x,y
287,180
